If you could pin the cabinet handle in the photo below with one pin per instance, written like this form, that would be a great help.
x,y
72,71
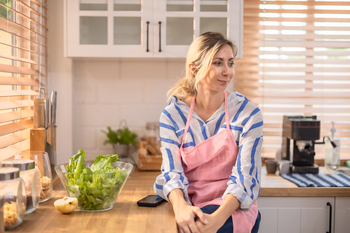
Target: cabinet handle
x,y
160,37
330,217
147,50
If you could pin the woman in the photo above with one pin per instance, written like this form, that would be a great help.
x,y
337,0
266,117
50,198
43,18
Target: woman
x,y
211,172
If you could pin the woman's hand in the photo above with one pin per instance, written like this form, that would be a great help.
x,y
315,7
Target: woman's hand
x,y
185,216
212,226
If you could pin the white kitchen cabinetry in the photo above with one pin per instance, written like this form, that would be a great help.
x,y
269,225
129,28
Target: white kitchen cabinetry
x,y
296,214
146,28
342,215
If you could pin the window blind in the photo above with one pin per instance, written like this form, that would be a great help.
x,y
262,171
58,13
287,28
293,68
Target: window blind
x,y
296,61
23,65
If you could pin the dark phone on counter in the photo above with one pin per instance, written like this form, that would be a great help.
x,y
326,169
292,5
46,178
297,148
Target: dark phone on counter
x,y
150,201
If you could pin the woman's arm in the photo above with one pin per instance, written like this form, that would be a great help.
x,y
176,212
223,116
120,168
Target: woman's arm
x,y
226,209
172,176
172,184
244,182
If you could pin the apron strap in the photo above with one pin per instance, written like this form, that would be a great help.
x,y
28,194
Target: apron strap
x,y
190,116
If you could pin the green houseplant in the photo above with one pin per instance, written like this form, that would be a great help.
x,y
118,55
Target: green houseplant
x,y
121,139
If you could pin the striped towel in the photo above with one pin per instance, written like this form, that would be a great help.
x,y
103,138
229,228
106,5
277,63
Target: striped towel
x,y
318,180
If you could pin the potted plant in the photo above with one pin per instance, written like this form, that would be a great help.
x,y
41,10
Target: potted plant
x,y
121,139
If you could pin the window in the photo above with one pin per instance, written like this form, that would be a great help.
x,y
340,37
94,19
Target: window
x,y
296,61
23,65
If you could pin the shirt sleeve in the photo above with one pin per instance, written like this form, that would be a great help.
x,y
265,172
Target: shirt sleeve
x,y
172,176
244,182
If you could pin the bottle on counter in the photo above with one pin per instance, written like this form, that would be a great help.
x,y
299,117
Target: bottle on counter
x,y
31,178
2,227
332,154
14,197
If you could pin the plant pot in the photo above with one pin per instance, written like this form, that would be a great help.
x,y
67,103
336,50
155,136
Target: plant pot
x,y
122,150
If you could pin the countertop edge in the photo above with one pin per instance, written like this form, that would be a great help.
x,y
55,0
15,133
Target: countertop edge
x,y
306,192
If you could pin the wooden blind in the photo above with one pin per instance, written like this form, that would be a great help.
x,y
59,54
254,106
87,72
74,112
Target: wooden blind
x,y
23,69
296,61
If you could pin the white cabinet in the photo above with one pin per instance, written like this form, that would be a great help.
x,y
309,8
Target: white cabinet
x,y
146,28
296,214
342,215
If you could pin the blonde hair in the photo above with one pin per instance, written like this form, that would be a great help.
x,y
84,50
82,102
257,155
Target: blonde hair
x,y
200,55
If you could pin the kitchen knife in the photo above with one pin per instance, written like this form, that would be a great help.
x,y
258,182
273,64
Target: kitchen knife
x,y
53,116
49,147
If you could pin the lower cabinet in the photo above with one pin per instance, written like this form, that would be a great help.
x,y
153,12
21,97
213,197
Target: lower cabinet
x,y
300,214
342,215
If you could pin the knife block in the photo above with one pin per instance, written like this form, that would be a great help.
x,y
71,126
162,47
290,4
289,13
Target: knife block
x,y
146,161
40,104
37,138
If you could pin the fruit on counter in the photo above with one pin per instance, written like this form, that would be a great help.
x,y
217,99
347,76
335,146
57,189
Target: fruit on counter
x,y
66,205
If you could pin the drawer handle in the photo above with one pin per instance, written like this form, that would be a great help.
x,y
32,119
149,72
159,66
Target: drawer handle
x,y
147,50
160,36
330,217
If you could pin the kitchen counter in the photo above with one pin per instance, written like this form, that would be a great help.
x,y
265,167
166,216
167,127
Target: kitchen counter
x,y
275,186
126,216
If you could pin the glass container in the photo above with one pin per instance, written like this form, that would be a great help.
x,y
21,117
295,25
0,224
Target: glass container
x,y
31,178
15,199
2,227
42,163
153,139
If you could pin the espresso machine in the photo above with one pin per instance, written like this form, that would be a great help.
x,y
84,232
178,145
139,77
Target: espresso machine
x,y
298,142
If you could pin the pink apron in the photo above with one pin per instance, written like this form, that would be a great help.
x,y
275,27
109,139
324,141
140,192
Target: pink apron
x,y
208,166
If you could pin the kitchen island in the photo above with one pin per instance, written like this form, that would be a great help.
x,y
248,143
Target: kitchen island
x,y
127,217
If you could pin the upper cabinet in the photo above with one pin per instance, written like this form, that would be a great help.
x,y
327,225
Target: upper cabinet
x,y
147,28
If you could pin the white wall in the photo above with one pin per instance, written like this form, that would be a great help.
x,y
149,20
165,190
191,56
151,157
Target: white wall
x,y
60,80
107,91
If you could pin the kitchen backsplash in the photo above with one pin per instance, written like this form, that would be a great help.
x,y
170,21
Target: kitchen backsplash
x,y
107,91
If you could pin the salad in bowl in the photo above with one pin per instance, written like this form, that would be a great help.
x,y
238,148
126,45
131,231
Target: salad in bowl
x,y
96,184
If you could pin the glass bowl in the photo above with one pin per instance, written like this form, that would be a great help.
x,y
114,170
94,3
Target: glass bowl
x,y
95,191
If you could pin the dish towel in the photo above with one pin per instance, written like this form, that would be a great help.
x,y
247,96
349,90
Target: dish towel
x,y
318,180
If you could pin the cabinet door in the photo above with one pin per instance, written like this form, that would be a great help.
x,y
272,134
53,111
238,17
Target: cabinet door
x,y
108,28
295,214
177,23
342,215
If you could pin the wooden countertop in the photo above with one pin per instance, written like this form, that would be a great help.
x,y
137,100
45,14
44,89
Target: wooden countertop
x,y
275,186
126,216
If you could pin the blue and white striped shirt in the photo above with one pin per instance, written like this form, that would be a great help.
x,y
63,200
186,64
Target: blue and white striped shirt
x,y
246,124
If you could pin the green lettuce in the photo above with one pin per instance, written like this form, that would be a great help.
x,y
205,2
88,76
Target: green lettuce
x,y
96,187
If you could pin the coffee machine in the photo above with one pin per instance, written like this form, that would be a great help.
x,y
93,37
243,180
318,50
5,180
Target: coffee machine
x,y
298,142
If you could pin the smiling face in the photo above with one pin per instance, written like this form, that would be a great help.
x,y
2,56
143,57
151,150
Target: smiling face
x,y
220,72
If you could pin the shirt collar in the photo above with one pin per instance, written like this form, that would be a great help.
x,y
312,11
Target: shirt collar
x,y
233,99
